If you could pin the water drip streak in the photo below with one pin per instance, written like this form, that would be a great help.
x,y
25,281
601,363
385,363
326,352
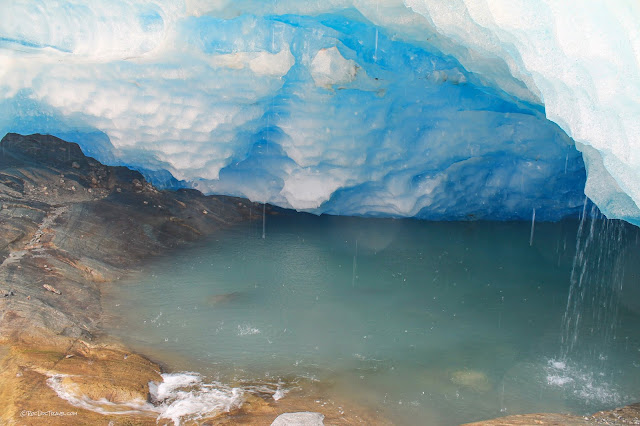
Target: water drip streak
x,y
533,225
355,266
264,218
590,318
571,316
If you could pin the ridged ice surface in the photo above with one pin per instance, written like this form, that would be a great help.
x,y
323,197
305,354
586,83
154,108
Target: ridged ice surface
x,y
416,108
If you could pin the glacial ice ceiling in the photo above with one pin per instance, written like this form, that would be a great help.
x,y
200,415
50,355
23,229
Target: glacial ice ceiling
x,y
434,109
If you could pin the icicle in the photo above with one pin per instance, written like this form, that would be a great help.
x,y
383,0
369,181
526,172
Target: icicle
x,y
375,54
273,40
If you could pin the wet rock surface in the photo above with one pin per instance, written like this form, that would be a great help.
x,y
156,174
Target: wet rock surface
x,y
69,223
629,415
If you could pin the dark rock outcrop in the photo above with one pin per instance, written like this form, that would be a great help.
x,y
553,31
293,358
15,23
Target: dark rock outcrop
x,y
70,223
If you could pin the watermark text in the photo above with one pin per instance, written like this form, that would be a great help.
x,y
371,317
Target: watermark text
x,y
48,413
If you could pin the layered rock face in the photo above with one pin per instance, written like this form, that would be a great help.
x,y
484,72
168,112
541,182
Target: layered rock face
x,y
70,223
68,226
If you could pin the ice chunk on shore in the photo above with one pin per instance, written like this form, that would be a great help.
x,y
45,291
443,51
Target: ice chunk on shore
x,y
299,419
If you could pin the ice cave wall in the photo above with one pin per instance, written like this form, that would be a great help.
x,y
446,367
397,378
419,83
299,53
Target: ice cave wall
x,y
432,109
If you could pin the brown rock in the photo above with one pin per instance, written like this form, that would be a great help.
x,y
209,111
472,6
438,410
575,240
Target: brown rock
x,y
51,289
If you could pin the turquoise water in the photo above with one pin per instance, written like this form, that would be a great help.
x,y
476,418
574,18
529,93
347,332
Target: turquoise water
x,y
426,322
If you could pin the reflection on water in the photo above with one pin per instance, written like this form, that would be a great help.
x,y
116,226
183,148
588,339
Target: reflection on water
x,y
438,321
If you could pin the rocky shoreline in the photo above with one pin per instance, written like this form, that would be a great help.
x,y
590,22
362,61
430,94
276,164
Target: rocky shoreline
x,y
70,224
69,227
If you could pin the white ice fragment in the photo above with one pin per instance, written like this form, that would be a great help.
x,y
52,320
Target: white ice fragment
x,y
261,63
330,68
297,419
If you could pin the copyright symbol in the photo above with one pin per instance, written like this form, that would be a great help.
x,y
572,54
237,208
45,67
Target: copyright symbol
x,y
23,413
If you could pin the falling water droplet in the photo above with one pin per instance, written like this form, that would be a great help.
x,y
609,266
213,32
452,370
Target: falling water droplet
x,y
264,218
355,266
533,225
595,287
